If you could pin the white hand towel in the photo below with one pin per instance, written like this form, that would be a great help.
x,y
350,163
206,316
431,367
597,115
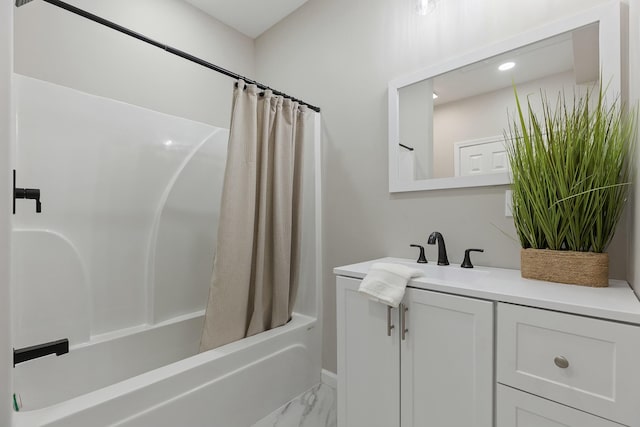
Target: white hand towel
x,y
386,282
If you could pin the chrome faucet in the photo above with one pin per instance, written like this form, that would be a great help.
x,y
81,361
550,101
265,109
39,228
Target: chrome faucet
x,y
442,249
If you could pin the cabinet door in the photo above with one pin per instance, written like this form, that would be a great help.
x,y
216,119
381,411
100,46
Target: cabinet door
x,y
447,361
368,360
519,409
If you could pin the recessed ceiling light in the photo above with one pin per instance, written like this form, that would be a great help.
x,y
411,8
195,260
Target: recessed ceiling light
x,y
168,142
435,95
506,66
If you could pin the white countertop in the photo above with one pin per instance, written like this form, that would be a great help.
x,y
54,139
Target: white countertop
x,y
616,302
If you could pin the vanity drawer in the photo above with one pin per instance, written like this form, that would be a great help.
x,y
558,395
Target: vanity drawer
x,y
586,363
516,408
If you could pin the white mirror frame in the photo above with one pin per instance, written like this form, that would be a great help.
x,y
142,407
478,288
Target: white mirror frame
x,y
608,16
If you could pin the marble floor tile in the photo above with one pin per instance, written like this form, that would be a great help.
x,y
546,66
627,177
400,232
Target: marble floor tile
x,y
314,408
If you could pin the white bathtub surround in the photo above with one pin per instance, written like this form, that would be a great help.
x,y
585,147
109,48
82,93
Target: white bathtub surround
x,y
257,263
50,303
314,408
406,167
126,230
118,208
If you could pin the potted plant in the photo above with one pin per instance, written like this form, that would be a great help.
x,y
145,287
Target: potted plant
x,y
571,174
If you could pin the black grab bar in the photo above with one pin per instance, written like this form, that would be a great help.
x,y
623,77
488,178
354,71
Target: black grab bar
x,y
58,347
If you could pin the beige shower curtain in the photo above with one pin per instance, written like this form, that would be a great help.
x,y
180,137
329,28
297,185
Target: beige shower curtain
x,y
255,273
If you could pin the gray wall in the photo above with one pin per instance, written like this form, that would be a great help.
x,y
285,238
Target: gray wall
x,y
6,135
340,55
54,45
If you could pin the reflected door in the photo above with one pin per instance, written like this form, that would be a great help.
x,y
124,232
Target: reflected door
x,y
480,158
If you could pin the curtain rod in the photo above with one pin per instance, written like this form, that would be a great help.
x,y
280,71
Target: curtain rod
x,y
172,50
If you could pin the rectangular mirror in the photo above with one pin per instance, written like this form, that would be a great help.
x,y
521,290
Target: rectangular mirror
x,y
447,122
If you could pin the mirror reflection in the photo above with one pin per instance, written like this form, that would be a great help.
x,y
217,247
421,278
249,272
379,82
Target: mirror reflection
x,y
453,124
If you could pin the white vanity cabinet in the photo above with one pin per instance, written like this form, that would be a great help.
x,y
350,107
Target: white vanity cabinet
x,y
565,356
427,363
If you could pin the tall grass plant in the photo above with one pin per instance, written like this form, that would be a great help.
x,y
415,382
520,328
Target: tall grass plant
x,y
571,170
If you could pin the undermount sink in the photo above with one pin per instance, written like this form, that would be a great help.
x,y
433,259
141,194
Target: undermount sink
x,y
450,273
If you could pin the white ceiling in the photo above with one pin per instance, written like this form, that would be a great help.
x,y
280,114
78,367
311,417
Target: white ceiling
x,y
250,17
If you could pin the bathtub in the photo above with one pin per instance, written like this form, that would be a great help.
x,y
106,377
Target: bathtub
x,y
130,257
152,376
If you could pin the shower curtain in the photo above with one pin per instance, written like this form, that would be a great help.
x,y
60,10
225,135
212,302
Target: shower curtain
x,y
255,273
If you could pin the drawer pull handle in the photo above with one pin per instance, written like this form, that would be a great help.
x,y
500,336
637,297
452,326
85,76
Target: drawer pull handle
x,y
561,362
390,326
403,321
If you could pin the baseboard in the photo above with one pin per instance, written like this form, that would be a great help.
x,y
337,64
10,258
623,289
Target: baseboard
x,y
329,378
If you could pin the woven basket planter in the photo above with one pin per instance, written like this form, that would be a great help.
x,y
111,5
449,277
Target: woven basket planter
x,y
575,268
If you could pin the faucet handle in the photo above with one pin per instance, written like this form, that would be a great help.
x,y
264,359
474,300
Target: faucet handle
x,y
422,259
467,259
25,193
